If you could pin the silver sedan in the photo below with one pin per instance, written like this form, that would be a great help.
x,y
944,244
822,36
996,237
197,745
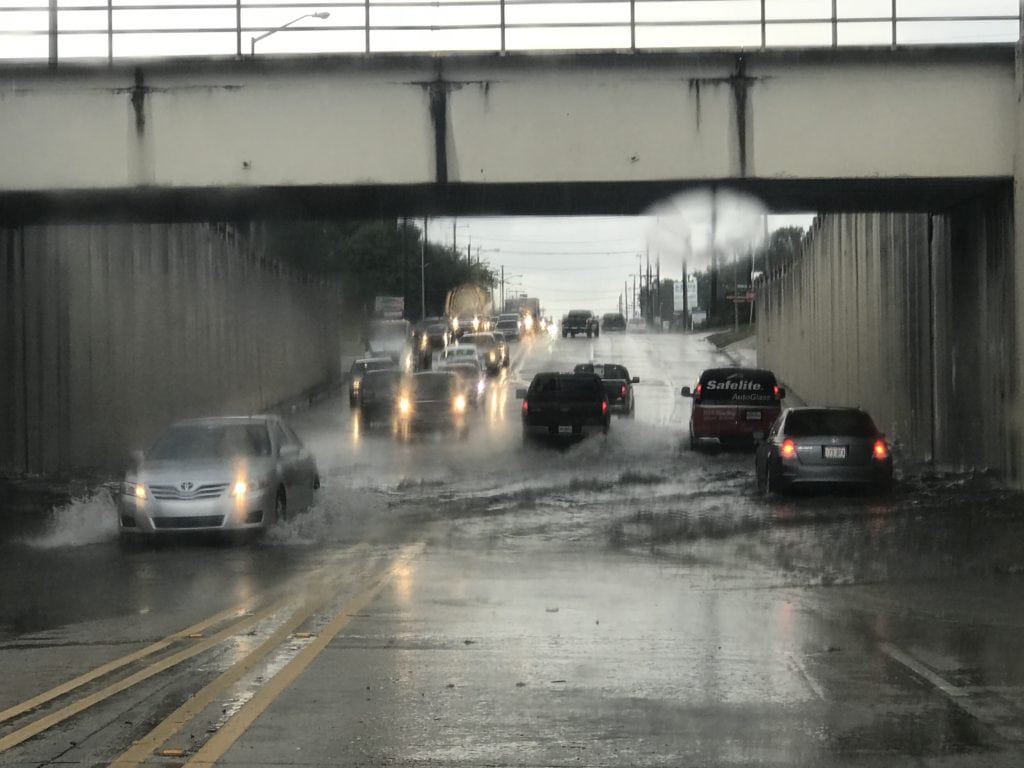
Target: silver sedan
x,y
818,446
217,474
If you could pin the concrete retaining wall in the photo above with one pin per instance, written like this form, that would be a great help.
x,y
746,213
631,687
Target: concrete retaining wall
x,y
910,316
107,332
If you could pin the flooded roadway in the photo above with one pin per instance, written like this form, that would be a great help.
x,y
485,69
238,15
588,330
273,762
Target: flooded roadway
x,y
623,601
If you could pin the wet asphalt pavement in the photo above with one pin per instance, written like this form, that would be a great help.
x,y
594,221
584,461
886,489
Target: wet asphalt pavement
x,y
623,601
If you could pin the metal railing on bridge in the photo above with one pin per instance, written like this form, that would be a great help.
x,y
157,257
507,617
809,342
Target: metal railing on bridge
x,y
112,29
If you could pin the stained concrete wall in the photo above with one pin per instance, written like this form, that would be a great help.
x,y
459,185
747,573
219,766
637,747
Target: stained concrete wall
x,y
107,332
520,118
911,316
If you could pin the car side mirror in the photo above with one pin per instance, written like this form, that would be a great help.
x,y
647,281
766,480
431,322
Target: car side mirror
x,y
520,394
636,380
685,392
782,393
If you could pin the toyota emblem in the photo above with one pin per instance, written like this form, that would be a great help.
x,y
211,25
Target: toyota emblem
x,y
186,486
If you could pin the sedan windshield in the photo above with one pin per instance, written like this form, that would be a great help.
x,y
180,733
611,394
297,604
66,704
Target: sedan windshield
x,y
211,441
432,387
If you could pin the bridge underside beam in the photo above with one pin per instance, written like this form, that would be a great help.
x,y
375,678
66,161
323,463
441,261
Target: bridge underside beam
x,y
554,199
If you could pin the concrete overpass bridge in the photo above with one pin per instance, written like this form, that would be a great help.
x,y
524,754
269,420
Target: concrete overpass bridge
x,y
929,293
833,129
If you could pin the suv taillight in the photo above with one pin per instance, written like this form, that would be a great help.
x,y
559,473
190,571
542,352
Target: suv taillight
x,y
880,450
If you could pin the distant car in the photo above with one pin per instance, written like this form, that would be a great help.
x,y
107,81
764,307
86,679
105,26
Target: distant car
x,y
473,379
359,369
217,474
502,346
636,325
618,385
816,446
459,352
468,322
510,328
580,321
487,347
377,395
431,401
613,321
568,405
430,335
733,406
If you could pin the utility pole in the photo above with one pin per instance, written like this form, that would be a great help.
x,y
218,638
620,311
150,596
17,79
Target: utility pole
x,y
455,245
423,272
405,265
686,298
657,282
735,304
714,256
502,288
649,302
625,292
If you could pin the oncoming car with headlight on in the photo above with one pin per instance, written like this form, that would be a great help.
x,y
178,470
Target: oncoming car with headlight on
x,y
240,473
432,401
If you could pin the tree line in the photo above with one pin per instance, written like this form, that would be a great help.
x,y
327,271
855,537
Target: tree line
x,y
376,258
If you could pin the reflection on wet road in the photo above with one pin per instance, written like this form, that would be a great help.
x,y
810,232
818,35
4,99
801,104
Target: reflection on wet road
x,y
619,601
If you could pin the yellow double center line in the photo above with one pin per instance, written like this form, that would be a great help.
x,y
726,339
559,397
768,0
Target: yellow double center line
x,y
113,666
48,721
220,742
78,706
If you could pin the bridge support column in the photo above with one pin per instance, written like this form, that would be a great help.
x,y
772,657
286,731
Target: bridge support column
x,y
1017,416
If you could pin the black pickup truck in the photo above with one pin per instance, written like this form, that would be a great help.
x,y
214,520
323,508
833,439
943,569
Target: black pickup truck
x,y
618,385
564,405
580,321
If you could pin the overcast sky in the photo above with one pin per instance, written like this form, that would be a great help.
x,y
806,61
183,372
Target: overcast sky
x,y
722,23
570,262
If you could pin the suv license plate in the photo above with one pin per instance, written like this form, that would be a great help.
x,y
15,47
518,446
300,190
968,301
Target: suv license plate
x,y
565,429
835,452
753,415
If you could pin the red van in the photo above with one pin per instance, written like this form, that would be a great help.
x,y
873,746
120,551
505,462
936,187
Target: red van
x,y
733,406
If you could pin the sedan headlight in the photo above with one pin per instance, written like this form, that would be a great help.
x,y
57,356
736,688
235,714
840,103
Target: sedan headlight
x,y
459,404
138,490
356,384
241,486
404,406
490,356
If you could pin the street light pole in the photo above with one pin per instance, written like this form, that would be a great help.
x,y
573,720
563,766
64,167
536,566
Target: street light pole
x,y
318,15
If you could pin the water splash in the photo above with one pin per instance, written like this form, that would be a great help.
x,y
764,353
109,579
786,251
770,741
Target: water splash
x,y
84,520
